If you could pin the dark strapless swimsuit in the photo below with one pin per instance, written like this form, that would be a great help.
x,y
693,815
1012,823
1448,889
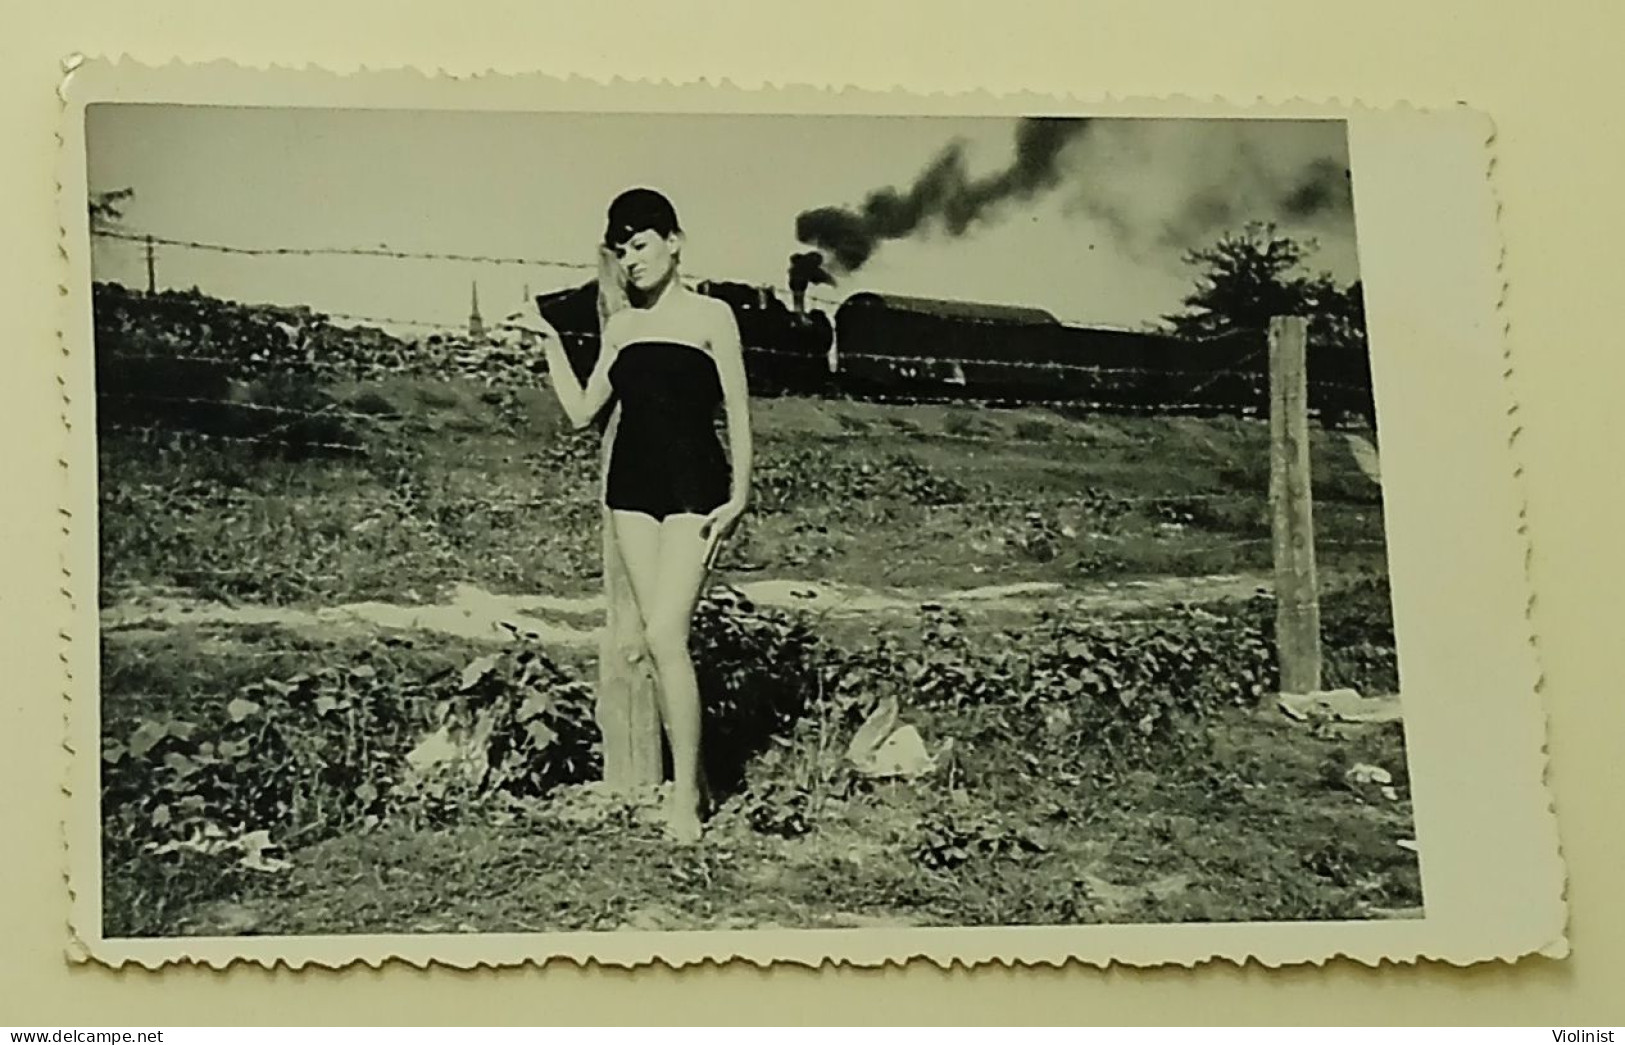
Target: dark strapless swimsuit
x,y
667,458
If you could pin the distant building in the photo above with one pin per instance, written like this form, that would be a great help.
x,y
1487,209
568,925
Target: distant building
x,y
476,325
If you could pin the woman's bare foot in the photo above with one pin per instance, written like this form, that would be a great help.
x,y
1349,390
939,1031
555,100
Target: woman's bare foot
x,y
683,816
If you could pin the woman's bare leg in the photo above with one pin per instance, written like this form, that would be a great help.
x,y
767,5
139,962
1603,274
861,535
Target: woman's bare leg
x,y
665,563
637,540
667,623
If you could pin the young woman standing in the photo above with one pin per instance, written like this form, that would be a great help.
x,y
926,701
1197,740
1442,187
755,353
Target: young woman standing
x,y
667,363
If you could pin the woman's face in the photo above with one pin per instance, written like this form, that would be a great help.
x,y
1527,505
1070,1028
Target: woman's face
x,y
648,258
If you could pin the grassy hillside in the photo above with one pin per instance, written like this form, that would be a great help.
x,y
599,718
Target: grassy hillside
x,y
1093,761
460,483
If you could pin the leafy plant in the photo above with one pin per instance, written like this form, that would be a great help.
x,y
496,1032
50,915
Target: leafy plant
x,y
758,672
512,722
796,476
949,838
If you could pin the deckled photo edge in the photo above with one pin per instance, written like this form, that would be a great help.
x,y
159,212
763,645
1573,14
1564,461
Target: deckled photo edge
x,y
1559,946
81,868
82,715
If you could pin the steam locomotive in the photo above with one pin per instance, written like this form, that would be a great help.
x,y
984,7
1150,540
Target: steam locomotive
x,y
911,349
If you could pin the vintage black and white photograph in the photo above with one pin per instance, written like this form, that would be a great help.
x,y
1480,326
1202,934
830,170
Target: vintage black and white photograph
x,y
533,522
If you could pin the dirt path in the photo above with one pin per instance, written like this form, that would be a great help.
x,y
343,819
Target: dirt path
x,y
475,613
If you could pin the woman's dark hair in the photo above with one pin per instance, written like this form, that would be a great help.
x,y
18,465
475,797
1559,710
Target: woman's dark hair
x,y
635,210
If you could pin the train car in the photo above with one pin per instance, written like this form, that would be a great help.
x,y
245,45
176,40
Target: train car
x,y
912,348
871,325
898,345
1161,373
931,348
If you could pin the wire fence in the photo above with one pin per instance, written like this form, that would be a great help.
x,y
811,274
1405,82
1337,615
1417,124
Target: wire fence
x,y
505,365
360,252
182,370
785,356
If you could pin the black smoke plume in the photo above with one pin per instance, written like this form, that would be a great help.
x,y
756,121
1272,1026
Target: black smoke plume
x,y
1320,187
944,194
1155,187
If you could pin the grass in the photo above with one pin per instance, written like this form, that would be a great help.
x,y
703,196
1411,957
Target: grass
x,y
1252,820
456,489
1247,818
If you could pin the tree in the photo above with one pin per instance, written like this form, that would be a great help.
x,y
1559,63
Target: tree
x,y
1251,275
1245,278
1336,314
107,209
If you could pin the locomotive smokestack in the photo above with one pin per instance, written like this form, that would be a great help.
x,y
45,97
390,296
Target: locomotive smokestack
x,y
805,270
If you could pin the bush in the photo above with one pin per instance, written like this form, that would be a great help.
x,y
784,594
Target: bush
x,y
758,673
316,752
968,422
793,476
205,798
1103,695
1238,515
1036,431
1357,636
1122,686
185,362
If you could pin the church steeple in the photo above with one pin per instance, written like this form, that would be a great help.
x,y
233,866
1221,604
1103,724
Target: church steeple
x,y
476,325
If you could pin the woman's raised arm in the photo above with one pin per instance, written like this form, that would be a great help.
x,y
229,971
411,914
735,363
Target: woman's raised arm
x,y
581,403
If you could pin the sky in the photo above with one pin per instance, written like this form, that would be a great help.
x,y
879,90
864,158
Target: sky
x,y
1099,242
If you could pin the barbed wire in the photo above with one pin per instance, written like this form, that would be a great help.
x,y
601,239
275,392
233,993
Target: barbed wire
x,y
968,362
946,362
332,413
1063,593
1217,375
156,433
955,365
961,315
1172,500
373,252
902,365
1014,397
1030,504
385,251
1011,400
380,321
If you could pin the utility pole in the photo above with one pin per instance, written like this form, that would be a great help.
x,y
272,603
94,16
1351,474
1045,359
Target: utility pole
x,y
152,276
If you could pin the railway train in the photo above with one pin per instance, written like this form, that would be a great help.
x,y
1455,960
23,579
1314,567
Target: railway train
x,y
912,349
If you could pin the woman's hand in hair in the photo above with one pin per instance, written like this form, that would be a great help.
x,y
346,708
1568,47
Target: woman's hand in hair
x,y
531,325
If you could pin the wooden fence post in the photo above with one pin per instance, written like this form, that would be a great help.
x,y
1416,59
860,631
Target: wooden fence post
x,y
628,709
1297,599
628,712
